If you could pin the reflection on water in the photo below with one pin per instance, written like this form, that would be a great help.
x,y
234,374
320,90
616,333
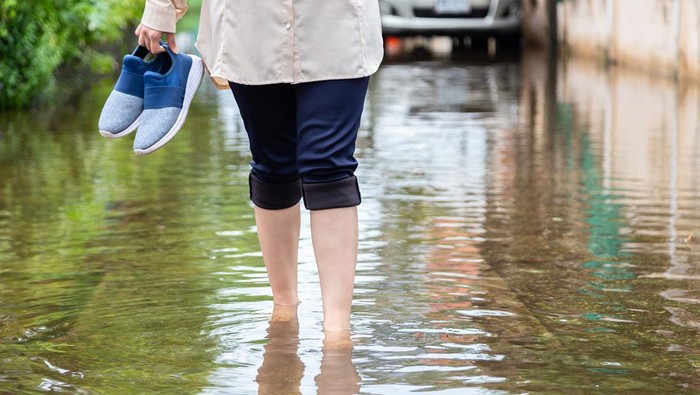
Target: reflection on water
x,y
526,227
281,370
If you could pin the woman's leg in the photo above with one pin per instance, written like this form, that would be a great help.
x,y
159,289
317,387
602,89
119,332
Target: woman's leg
x,y
269,115
328,118
334,236
278,233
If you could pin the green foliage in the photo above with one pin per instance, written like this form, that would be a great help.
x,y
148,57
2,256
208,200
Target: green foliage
x,y
36,37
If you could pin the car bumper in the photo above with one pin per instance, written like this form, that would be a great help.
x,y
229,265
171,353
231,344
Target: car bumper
x,y
400,26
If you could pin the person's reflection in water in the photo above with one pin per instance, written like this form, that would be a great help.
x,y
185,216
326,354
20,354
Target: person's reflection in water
x,y
338,375
281,370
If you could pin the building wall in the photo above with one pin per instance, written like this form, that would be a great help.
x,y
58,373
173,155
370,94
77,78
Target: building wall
x,y
536,25
645,34
583,27
690,39
660,36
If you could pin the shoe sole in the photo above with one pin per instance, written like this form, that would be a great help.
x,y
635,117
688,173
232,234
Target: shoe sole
x,y
123,133
193,80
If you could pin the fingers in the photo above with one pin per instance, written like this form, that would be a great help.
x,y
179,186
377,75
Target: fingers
x,y
171,42
154,43
150,39
141,35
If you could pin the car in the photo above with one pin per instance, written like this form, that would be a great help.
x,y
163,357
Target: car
x,y
475,19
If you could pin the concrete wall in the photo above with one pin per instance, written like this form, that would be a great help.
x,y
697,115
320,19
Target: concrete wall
x,y
583,27
661,36
537,24
690,39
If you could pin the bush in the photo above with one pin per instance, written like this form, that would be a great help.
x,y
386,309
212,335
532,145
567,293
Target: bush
x,y
36,37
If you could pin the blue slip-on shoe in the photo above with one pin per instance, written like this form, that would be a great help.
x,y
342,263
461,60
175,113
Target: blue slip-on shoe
x,y
167,96
122,110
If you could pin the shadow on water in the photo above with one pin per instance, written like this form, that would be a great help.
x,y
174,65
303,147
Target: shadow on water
x,y
526,226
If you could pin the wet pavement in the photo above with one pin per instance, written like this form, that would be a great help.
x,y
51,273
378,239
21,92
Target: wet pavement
x,y
527,227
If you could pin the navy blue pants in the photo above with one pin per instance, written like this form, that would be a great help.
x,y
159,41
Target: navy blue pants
x,y
302,137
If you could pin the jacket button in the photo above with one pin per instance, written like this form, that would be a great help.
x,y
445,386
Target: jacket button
x,y
288,26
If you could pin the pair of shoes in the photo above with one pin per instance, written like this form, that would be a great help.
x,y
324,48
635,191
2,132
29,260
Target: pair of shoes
x,y
153,96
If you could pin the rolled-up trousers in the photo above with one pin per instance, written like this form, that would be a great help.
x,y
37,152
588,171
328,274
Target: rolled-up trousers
x,y
302,138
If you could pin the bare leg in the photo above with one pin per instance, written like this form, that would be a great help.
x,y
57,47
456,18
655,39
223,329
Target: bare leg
x,y
278,233
334,233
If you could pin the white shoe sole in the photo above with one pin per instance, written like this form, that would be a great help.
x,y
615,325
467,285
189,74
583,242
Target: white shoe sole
x,y
123,133
193,80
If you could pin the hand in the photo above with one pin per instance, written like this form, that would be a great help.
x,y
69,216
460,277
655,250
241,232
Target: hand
x,y
150,38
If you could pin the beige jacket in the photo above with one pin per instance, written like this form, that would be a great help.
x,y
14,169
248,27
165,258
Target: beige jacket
x,y
258,42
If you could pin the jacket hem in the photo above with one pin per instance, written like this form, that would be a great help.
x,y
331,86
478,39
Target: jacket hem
x,y
243,81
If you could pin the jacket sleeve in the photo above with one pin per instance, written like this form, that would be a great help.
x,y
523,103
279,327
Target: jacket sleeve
x,y
163,14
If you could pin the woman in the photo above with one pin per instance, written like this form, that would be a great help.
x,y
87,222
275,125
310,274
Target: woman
x,y
299,71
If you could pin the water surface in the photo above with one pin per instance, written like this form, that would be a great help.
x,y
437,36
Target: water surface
x,y
525,227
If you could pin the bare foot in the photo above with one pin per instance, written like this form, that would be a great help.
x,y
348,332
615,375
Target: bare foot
x,y
337,340
284,312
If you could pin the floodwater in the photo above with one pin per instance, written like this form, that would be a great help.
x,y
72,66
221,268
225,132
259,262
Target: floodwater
x,y
527,227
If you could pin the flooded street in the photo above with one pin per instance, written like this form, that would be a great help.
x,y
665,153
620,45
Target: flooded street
x,y
526,227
